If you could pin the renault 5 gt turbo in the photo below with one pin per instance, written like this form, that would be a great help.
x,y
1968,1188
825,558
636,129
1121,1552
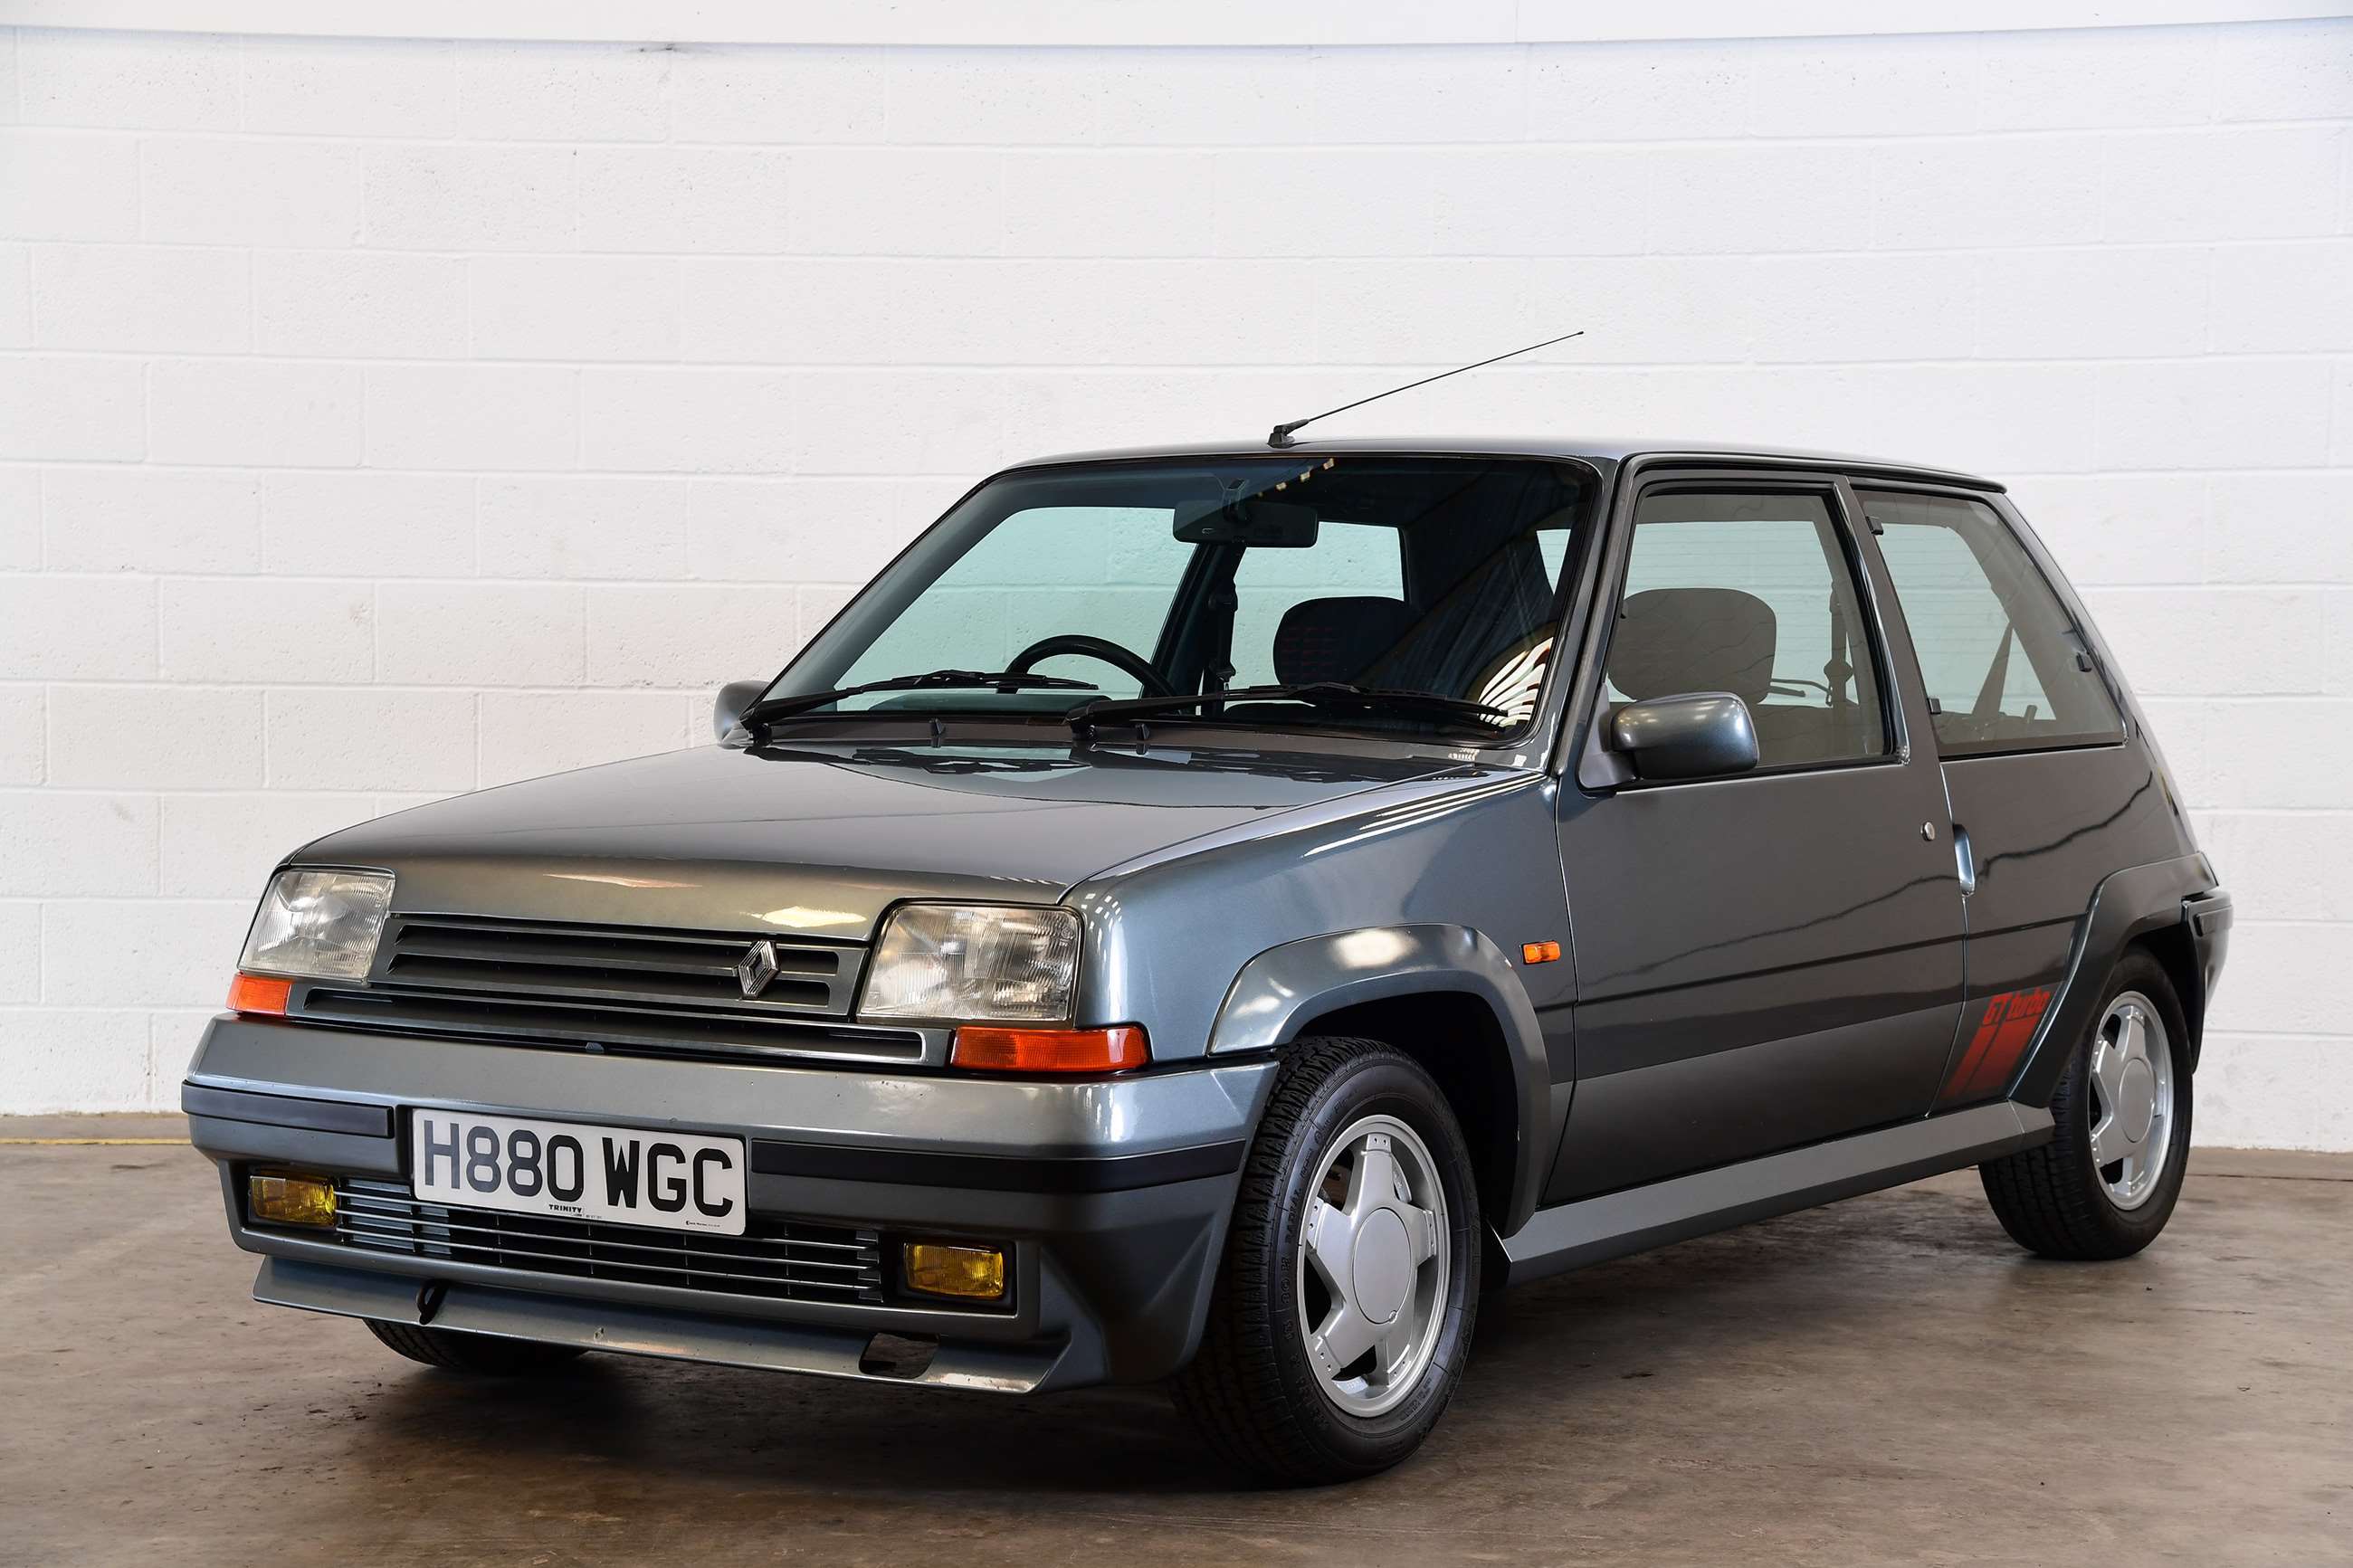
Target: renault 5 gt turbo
x,y
1216,914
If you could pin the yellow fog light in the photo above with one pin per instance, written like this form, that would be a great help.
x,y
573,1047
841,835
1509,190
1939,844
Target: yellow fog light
x,y
289,1200
937,1268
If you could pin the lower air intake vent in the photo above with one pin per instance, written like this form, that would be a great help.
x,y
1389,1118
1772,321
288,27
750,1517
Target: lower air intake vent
x,y
779,1260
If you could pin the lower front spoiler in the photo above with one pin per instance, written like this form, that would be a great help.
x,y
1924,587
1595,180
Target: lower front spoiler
x,y
1110,1197
629,1330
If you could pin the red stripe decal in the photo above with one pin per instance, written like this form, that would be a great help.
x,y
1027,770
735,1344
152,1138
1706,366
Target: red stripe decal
x,y
2008,1028
1987,1028
2009,1043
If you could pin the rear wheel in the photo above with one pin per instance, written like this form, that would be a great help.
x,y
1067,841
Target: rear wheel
x,y
484,1355
1346,1299
2106,1183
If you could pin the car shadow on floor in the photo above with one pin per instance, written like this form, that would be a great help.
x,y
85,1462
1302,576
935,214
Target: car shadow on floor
x,y
731,1425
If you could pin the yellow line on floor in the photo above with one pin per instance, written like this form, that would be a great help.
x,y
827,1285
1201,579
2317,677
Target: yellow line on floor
x,y
105,1141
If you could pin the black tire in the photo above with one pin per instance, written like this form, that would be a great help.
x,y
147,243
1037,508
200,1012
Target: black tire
x,y
1253,1391
481,1355
2051,1198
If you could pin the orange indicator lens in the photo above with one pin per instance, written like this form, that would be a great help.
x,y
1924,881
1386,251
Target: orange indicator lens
x,y
1114,1049
259,993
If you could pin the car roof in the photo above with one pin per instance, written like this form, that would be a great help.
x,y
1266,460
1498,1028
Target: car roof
x,y
1603,451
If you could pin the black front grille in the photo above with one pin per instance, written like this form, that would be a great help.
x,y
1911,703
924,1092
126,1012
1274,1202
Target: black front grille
x,y
775,1260
622,988
617,964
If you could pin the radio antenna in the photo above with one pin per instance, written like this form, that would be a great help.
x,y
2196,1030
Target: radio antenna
x,y
1281,435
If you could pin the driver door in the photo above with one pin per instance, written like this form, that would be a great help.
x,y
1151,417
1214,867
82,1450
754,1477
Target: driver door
x,y
1773,957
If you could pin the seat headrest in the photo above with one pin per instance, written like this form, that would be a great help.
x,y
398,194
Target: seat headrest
x,y
1338,639
1673,641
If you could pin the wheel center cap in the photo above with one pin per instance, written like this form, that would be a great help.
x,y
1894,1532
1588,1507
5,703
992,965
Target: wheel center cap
x,y
2138,1096
1382,1269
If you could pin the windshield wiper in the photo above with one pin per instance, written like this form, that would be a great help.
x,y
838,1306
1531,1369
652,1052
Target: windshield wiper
x,y
1315,694
768,709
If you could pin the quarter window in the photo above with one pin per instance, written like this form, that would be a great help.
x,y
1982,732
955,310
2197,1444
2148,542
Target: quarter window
x,y
2003,662
1750,593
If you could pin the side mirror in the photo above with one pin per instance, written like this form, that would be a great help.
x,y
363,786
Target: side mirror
x,y
727,709
1696,736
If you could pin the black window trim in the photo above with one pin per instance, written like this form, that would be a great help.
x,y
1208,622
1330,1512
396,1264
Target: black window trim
x,y
2012,524
1641,480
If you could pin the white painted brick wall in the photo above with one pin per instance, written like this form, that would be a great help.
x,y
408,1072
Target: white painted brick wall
x,y
380,419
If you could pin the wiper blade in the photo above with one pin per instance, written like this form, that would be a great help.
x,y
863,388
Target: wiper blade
x,y
1003,681
1315,694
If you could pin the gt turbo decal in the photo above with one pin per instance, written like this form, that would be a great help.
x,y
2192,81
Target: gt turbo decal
x,y
2002,1036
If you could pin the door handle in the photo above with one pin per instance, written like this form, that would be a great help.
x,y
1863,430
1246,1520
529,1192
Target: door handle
x,y
1965,859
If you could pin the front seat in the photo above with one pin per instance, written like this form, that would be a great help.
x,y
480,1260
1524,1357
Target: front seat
x,y
1338,639
1671,641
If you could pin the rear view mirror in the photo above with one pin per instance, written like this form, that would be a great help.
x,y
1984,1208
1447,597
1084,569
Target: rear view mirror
x,y
727,709
1698,736
1260,523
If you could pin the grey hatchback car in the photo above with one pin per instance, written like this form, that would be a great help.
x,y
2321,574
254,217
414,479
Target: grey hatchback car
x,y
1219,914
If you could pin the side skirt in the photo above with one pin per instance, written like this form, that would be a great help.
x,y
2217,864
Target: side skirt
x,y
1594,1230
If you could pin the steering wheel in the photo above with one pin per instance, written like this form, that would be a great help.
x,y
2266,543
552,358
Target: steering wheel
x,y
1111,653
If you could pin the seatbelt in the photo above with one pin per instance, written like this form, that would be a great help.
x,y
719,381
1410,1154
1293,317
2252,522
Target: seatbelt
x,y
1836,672
1224,603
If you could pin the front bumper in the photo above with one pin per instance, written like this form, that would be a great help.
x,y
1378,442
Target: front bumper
x,y
1112,1195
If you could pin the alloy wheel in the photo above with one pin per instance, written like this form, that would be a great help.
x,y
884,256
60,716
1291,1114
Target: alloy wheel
x,y
2132,1101
1373,1268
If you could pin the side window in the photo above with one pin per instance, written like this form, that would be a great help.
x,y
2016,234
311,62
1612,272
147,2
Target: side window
x,y
2003,663
1552,549
1750,593
1348,561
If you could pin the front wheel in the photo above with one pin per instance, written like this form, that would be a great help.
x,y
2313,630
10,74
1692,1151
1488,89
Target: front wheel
x,y
1346,1299
2106,1183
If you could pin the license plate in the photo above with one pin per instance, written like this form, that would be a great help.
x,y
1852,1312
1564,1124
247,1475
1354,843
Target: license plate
x,y
673,1181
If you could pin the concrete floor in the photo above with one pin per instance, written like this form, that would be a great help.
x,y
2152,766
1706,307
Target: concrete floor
x,y
1887,1381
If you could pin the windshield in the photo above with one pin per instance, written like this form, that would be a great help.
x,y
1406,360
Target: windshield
x,y
1437,577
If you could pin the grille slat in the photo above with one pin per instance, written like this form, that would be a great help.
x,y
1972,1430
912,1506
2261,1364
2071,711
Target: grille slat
x,y
383,1224
698,1277
679,1029
579,979
770,1260
620,950
389,1201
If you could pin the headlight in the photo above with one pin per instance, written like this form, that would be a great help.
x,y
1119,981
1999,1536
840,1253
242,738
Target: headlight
x,y
975,962
319,924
